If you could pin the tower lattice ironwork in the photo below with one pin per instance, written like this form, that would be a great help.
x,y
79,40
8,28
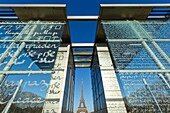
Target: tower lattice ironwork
x,y
82,101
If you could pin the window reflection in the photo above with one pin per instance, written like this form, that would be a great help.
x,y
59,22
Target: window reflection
x,y
26,50
31,94
137,46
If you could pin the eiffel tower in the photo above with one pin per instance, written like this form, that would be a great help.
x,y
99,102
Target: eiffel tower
x,y
82,102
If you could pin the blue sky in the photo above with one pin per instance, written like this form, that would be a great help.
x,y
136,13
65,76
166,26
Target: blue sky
x,y
82,32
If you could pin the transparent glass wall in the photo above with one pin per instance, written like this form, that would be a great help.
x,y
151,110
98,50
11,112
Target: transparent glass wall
x,y
97,86
27,55
140,53
68,99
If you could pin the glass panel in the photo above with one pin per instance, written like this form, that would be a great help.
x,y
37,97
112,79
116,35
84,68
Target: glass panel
x,y
131,55
165,46
37,56
157,30
138,97
27,48
97,86
142,92
140,53
121,30
3,48
10,31
46,31
21,42
31,94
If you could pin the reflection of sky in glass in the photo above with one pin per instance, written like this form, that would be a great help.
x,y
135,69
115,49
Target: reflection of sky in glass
x,y
158,55
165,46
157,30
33,56
131,55
142,61
8,32
134,56
136,92
37,58
29,79
34,88
4,47
121,30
